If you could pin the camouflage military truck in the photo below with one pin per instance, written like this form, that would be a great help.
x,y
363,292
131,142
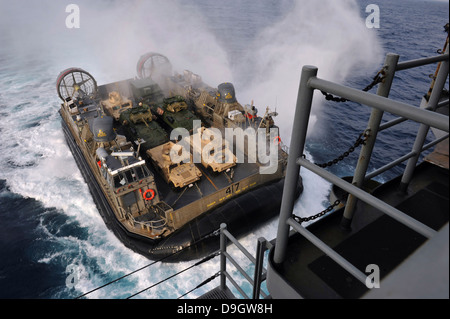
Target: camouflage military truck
x,y
147,91
222,160
115,105
140,127
174,113
179,174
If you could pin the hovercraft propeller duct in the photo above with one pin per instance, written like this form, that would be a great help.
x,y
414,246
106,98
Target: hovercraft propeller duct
x,y
75,82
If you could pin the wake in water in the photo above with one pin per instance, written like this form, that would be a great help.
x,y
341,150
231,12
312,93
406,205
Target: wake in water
x,y
36,163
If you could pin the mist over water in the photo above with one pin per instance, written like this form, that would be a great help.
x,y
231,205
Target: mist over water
x,y
330,35
112,35
258,45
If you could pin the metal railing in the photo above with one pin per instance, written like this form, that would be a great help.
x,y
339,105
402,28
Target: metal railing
x,y
379,104
259,273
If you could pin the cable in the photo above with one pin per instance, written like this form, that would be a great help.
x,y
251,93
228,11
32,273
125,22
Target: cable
x,y
176,274
120,278
201,284
213,233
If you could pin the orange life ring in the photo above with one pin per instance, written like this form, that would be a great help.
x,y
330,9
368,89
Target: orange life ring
x,y
277,140
149,191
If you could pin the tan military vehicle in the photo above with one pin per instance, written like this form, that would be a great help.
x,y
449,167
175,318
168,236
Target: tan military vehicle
x,y
116,104
179,174
219,158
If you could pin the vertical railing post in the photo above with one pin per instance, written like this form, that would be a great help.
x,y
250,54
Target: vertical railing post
x,y
260,248
300,127
423,129
366,150
223,258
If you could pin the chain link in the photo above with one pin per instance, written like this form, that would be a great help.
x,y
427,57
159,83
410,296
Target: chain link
x,y
379,77
362,138
326,210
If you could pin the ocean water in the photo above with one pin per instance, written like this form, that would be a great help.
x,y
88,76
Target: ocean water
x,y
53,242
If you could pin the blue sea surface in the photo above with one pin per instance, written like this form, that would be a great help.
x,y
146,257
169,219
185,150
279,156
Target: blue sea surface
x,y
53,243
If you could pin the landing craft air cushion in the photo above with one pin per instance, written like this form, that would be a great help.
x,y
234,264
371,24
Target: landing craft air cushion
x,y
120,142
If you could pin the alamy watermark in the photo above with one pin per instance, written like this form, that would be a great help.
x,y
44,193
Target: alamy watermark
x,y
210,146
77,275
373,19
373,279
73,19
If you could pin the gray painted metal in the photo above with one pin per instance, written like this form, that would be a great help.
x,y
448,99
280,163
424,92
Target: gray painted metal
x,y
259,274
308,82
419,62
301,118
404,158
328,250
223,258
395,107
369,199
366,151
260,248
426,269
399,120
424,128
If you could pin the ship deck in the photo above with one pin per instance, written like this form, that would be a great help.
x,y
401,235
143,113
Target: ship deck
x,y
209,183
374,238
439,156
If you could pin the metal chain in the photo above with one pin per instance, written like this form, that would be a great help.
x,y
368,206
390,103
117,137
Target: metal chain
x,y
379,77
362,138
326,210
